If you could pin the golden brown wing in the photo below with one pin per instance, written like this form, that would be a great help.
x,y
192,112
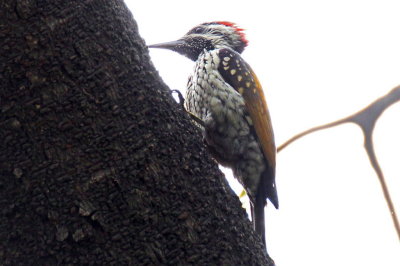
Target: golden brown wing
x,y
258,110
237,73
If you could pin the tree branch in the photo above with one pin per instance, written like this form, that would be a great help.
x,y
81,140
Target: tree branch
x,y
366,120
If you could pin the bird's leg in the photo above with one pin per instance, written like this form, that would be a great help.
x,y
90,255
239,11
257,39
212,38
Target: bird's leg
x,y
192,116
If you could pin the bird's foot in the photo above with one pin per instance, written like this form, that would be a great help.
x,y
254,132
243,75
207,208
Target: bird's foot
x,y
182,102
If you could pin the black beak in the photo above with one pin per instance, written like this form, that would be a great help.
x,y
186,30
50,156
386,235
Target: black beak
x,y
184,46
174,45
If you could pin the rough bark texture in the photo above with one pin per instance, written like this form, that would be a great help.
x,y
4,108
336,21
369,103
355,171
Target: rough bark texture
x,y
98,164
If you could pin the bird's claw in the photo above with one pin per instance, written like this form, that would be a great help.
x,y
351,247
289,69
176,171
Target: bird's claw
x,y
182,102
180,97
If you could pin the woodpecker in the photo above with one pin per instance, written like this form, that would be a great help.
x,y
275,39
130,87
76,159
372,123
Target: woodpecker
x,y
226,95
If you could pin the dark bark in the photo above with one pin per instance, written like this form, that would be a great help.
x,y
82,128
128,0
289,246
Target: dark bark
x,y
98,164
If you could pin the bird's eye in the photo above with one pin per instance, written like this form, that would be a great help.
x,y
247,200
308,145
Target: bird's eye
x,y
197,30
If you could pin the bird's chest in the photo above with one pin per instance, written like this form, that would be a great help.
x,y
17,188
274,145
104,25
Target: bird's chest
x,y
220,107
209,95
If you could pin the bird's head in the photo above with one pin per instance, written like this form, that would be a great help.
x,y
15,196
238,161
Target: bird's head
x,y
209,36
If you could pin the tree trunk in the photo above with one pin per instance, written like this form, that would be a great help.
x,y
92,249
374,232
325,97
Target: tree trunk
x,y
98,164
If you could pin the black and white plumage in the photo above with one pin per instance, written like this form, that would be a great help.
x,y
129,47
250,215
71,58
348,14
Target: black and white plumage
x,y
226,95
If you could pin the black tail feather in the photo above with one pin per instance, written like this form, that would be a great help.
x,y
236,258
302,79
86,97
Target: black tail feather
x,y
259,220
266,189
273,195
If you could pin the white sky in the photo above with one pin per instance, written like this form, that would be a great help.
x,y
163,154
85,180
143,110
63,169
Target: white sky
x,y
318,61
